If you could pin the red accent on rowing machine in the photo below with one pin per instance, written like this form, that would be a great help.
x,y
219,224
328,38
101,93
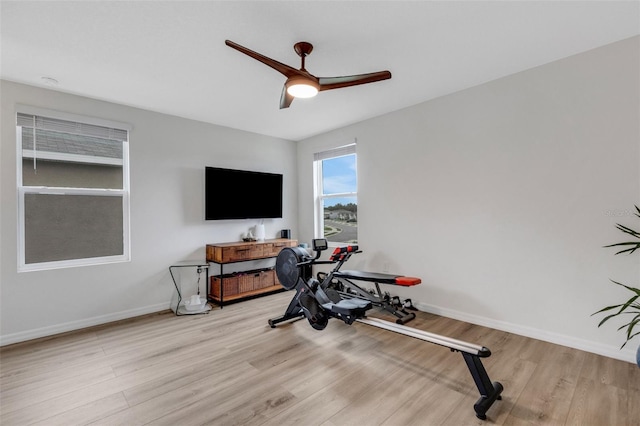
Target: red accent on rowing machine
x,y
376,277
408,281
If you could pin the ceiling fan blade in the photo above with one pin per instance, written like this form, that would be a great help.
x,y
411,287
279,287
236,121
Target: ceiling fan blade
x,y
278,66
285,98
328,83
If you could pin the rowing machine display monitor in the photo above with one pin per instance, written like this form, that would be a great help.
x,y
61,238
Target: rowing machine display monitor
x,y
320,244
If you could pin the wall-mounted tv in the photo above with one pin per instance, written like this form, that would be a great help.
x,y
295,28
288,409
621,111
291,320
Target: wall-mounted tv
x,y
242,194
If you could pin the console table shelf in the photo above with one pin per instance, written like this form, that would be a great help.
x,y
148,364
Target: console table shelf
x,y
248,283
251,293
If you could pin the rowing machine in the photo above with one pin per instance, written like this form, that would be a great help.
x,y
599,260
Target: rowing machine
x,y
318,302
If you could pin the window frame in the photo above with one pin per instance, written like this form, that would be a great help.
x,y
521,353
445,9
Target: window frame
x,y
23,190
319,196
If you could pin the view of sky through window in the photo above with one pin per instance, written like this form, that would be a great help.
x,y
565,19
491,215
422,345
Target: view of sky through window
x,y
340,213
339,175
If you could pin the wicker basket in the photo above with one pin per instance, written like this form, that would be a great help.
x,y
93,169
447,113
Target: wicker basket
x,y
230,282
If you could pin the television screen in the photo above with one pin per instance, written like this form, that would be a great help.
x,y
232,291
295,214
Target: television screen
x,y
242,194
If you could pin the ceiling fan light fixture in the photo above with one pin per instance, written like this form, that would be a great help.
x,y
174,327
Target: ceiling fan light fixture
x,y
300,83
301,87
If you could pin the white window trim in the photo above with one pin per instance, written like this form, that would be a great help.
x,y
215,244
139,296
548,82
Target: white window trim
x,y
22,190
71,158
27,109
318,196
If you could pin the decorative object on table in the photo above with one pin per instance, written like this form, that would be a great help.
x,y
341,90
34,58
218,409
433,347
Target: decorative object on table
x,y
285,233
260,232
248,236
631,306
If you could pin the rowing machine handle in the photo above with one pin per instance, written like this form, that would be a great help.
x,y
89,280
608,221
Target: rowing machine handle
x,y
341,252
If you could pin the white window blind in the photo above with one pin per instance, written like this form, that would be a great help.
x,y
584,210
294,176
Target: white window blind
x,y
71,127
73,186
336,152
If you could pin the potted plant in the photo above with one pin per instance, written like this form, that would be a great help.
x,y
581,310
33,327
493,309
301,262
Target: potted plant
x,y
631,306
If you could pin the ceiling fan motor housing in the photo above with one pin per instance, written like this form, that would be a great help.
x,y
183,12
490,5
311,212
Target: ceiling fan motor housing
x,y
303,48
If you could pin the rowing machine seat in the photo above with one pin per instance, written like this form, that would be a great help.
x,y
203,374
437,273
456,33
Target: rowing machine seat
x,y
376,277
348,310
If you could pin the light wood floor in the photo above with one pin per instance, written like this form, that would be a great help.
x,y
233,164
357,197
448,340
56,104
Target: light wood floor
x,y
229,367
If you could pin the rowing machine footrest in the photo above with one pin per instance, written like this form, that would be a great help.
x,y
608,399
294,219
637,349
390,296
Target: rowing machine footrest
x,y
406,318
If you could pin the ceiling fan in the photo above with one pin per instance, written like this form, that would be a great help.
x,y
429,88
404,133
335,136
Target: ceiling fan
x,y
300,83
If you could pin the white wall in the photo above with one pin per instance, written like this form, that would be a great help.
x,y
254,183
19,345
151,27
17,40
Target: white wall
x,y
501,197
167,156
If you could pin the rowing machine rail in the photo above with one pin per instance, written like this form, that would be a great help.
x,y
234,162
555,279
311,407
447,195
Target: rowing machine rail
x,y
489,391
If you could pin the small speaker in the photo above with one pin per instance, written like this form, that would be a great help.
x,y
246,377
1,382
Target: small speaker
x,y
285,233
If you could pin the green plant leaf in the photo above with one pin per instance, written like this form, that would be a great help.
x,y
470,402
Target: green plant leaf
x,y
634,247
631,306
629,302
627,243
632,325
622,306
608,308
633,289
634,335
628,230
607,318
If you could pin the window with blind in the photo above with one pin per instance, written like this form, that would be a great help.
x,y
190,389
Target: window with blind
x,y
73,187
336,194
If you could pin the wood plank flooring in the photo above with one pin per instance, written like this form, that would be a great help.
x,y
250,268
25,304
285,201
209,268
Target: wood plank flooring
x,y
228,367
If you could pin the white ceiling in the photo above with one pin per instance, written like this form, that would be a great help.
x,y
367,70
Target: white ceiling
x,y
170,56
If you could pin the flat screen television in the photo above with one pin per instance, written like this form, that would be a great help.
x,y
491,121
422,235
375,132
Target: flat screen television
x,y
242,194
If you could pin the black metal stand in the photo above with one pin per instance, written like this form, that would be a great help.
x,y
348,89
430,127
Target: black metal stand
x,y
489,392
294,310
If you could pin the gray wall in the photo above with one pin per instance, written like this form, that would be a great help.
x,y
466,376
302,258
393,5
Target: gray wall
x,y
167,157
501,197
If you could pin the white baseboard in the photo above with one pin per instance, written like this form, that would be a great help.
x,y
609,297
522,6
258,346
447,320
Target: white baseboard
x,y
77,325
628,355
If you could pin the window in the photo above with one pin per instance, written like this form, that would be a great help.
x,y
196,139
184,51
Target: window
x,y
336,196
73,189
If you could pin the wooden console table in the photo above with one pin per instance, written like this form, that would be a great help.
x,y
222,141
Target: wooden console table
x,y
246,283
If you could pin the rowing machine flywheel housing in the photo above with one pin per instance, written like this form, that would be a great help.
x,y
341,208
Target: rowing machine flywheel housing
x,y
287,267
